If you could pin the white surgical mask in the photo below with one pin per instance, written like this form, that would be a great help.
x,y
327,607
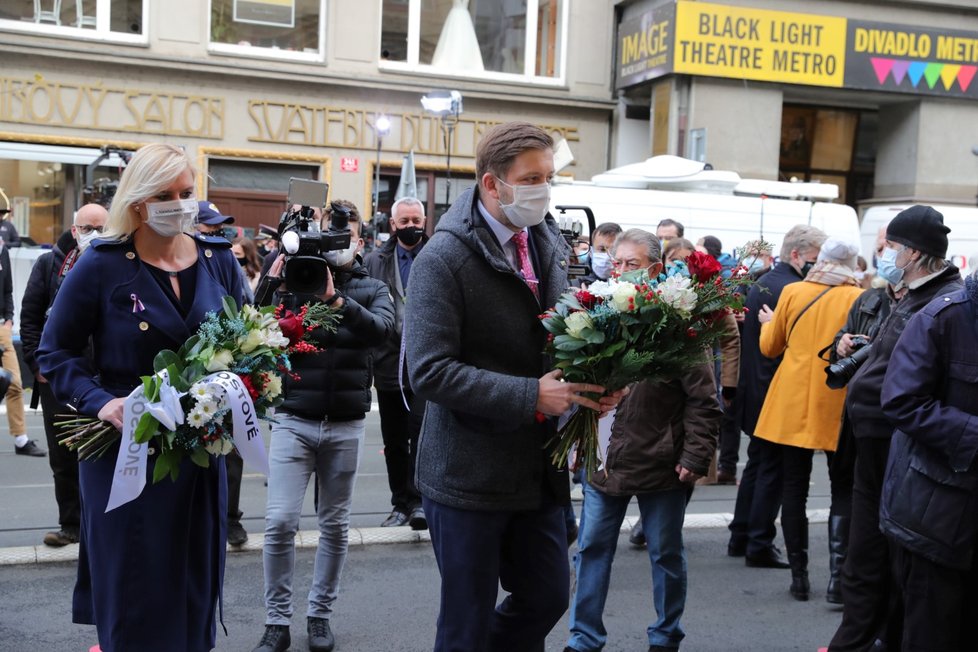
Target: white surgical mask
x,y
171,218
343,256
529,206
601,264
85,239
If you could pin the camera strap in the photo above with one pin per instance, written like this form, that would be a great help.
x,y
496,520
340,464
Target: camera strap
x,y
822,353
803,311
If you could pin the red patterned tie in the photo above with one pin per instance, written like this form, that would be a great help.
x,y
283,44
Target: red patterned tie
x,y
526,267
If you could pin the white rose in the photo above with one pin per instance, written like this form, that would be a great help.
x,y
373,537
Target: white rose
x,y
251,341
576,322
272,337
621,296
220,362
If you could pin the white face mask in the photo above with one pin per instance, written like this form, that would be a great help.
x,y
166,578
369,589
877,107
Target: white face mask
x,y
343,256
529,206
171,218
85,239
601,264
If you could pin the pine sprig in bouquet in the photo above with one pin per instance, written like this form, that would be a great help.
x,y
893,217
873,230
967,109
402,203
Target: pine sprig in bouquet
x,y
635,328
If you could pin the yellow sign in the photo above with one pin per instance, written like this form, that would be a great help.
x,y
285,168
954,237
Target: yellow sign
x,y
775,46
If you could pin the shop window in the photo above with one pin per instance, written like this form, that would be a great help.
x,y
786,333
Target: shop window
x,y
478,38
290,29
253,192
116,20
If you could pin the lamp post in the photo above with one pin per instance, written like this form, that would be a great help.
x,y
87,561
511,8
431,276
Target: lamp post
x,y
382,126
447,105
974,150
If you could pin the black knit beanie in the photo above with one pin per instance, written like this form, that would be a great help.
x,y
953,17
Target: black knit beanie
x,y
921,228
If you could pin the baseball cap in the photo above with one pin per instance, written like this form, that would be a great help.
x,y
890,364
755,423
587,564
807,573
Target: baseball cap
x,y
208,213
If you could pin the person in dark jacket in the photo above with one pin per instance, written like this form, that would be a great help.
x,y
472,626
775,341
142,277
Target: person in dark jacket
x,y
912,258
319,428
493,499
42,287
752,529
930,489
662,440
400,413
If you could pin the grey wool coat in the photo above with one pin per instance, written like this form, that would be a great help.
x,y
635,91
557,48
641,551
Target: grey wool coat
x,y
474,346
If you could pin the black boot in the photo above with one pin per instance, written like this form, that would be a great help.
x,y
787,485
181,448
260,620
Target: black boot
x,y
838,544
800,587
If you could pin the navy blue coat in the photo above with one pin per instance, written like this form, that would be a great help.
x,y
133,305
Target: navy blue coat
x,y
930,394
149,572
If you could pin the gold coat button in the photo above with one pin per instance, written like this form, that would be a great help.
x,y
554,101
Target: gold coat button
x,y
143,326
130,255
208,253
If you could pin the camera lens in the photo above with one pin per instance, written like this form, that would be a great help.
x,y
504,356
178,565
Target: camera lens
x,y
305,275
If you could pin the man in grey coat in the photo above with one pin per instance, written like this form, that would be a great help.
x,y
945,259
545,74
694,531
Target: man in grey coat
x,y
493,500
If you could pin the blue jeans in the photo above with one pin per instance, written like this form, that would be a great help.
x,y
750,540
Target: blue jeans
x,y
601,518
299,447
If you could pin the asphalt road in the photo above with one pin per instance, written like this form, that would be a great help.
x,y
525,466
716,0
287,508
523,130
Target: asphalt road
x,y
389,601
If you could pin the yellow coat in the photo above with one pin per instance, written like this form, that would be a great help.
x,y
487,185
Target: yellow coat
x,y
800,410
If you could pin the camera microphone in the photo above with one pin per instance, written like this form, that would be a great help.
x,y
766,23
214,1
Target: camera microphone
x,y
290,242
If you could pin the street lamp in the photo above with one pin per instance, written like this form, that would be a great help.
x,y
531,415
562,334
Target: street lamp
x,y
447,105
382,127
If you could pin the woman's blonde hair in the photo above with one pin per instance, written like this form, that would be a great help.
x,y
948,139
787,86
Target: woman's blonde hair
x,y
152,169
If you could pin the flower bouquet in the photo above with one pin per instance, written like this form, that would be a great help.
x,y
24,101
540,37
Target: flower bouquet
x,y
634,328
205,398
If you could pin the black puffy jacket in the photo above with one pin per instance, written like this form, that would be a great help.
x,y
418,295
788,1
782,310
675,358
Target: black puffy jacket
x,y
335,383
42,287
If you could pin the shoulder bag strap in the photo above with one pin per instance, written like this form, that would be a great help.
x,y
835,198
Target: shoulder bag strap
x,y
803,311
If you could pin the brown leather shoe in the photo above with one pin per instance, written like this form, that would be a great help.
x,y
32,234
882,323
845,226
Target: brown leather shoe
x,y
723,477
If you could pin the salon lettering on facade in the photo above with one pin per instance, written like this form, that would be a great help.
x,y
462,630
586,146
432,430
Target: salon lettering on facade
x,y
699,38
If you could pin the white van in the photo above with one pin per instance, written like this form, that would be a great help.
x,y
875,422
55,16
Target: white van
x,y
706,202
962,241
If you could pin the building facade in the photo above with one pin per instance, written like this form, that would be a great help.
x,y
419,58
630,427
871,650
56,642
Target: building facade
x,y
259,91
879,97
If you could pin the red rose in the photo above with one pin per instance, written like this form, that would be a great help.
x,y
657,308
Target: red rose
x,y
291,326
702,266
586,299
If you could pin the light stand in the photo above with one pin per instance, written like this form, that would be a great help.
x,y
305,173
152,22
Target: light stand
x,y
382,126
447,105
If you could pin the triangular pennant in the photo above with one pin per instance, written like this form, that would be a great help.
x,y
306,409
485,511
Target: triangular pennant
x,y
915,71
949,74
882,67
965,75
933,73
900,70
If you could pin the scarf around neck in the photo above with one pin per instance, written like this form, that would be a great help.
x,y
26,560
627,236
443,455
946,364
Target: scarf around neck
x,y
828,272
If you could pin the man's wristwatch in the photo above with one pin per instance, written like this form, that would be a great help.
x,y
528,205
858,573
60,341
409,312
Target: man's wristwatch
x,y
333,299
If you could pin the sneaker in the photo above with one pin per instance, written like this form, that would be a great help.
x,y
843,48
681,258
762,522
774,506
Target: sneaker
x,y
30,448
637,536
396,519
320,637
275,639
61,538
417,519
237,536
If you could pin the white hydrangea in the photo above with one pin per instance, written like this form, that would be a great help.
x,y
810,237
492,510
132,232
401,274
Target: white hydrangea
x,y
576,322
676,292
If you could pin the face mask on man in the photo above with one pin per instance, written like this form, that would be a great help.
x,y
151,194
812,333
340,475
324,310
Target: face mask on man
x,y
601,264
171,218
807,267
756,265
529,205
886,267
343,256
409,235
85,239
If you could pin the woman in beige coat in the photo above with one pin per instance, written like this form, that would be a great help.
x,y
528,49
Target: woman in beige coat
x,y
801,414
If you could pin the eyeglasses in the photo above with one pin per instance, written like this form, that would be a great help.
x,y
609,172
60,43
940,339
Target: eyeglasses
x,y
85,229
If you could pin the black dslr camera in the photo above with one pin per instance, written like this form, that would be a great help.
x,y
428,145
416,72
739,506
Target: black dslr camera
x,y
841,372
303,240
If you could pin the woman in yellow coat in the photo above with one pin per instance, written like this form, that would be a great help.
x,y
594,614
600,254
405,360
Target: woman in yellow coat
x,y
801,414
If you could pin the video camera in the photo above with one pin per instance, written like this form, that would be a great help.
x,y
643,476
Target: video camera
x,y
303,240
572,230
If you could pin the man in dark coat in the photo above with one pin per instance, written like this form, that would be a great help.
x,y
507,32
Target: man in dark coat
x,y
400,412
752,530
42,287
493,499
912,259
930,489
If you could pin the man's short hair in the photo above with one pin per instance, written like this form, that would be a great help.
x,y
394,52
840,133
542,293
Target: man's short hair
x,y
802,238
680,229
605,229
641,238
503,143
407,201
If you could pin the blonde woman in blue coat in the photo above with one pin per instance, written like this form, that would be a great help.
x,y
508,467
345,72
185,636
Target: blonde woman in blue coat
x,y
150,571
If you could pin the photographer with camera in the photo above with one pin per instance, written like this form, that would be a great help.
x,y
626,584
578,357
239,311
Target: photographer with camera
x,y
912,258
320,426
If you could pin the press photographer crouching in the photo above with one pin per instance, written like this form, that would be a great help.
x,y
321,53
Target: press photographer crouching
x,y
912,260
320,426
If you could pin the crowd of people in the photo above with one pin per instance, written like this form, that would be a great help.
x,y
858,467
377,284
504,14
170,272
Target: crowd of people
x,y
445,329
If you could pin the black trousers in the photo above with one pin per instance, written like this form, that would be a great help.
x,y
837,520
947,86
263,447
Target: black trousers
x,y
842,470
758,498
797,464
235,470
399,429
64,463
729,444
871,599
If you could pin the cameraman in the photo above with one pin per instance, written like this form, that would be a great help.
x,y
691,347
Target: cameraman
x,y
913,258
320,428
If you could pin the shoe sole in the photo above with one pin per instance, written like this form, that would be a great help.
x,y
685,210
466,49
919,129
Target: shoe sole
x,y
419,524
